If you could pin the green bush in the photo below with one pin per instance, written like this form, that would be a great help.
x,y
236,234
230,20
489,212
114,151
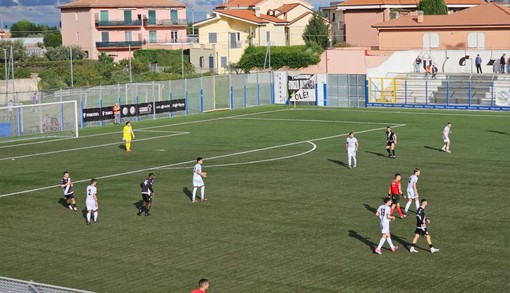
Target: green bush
x,y
290,56
160,56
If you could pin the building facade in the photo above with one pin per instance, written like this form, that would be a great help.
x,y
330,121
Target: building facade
x,y
354,18
117,27
237,24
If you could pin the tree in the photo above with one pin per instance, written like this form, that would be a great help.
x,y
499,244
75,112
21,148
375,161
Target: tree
x,y
18,49
433,7
62,53
23,29
53,39
317,32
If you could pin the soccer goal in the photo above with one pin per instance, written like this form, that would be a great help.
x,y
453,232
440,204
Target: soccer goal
x,y
59,119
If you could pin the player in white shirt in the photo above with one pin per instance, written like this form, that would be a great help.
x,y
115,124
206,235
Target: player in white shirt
x,y
446,137
198,181
351,147
383,212
91,202
412,191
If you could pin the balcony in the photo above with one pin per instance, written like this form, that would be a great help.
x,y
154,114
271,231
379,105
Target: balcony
x,y
106,24
118,45
164,23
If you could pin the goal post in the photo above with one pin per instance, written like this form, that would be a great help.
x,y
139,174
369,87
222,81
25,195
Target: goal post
x,y
58,119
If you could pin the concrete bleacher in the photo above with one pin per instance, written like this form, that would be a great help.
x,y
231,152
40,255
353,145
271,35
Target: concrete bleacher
x,y
461,89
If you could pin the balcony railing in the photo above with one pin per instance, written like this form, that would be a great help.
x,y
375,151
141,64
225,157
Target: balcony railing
x,y
133,44
164,22
116,23
234,45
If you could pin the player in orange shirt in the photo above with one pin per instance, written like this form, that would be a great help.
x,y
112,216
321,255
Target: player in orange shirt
x,y
395,191
203,285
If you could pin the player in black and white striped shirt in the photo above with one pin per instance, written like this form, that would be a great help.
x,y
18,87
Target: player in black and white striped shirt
x,y
67,185
421,228
147,194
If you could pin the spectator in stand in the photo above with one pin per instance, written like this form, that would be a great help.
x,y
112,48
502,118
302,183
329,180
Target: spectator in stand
x,y
502,63
116,113
428,70
434,71
417,64
478,63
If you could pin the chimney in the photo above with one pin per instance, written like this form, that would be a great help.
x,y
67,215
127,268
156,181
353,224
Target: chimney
x,y
419,19
257,11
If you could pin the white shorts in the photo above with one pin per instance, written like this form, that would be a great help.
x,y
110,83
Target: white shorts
x,y
411,194
198,182
91,206
385,228
351,153
446,139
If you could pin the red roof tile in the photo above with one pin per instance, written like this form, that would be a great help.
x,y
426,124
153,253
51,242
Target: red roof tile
x,y
249,15
405,2
122,4
489,14
240,3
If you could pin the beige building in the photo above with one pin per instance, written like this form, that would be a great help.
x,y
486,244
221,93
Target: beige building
x,y
235,25
483,27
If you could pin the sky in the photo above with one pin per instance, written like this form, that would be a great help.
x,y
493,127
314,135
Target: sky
x,y
46,11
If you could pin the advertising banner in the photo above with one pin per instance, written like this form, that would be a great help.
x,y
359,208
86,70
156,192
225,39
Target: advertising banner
x,y
133,110
92,114
301,88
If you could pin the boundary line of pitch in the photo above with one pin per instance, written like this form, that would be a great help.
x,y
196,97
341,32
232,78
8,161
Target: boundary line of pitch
x,y
193,161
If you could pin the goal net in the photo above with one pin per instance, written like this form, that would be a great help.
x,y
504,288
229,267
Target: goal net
x,y
59,119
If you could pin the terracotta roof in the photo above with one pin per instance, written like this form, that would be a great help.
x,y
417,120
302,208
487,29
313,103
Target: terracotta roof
x,y
405,2
240,3
287,7
249,15
488,14
122,4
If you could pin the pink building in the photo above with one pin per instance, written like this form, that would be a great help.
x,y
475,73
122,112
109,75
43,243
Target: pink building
x,y
352,20
117,26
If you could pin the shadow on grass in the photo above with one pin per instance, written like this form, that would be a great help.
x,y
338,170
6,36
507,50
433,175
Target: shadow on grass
x,y
499,132
187,192
138,204
377,154
63,202
433,148
402,241
339,163
122,146
369,208
365,240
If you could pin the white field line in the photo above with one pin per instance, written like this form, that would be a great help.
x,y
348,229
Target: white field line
x,y
193,161
88,147
144,128
381,111
312,120
158,131
314,147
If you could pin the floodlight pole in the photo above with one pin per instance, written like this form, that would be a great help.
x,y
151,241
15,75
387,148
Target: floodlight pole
x,y
71,59
6,77
130,70
12,67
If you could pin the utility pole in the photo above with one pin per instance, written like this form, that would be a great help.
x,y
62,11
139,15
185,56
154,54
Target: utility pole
x,y
6,77
182,58
12,67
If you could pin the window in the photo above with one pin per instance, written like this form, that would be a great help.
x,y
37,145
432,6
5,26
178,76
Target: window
x,y
152,16
223,61
430,40
173,37
234,40
201,61
105,36
333,18
128,18
153,37
173,15
128,36
104,15
476,40
213,38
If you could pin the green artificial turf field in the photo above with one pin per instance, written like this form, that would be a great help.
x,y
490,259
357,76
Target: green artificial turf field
x,y
284,213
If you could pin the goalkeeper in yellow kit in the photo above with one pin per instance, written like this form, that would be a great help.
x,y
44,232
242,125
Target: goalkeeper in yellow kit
x,y
128,135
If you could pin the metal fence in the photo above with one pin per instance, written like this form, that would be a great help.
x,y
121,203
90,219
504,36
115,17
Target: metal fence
x,y
345,90
20,286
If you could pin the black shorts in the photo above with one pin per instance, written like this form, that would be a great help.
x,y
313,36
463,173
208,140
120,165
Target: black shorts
x,y
389,143
69,196
395,198
421,232
147,197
